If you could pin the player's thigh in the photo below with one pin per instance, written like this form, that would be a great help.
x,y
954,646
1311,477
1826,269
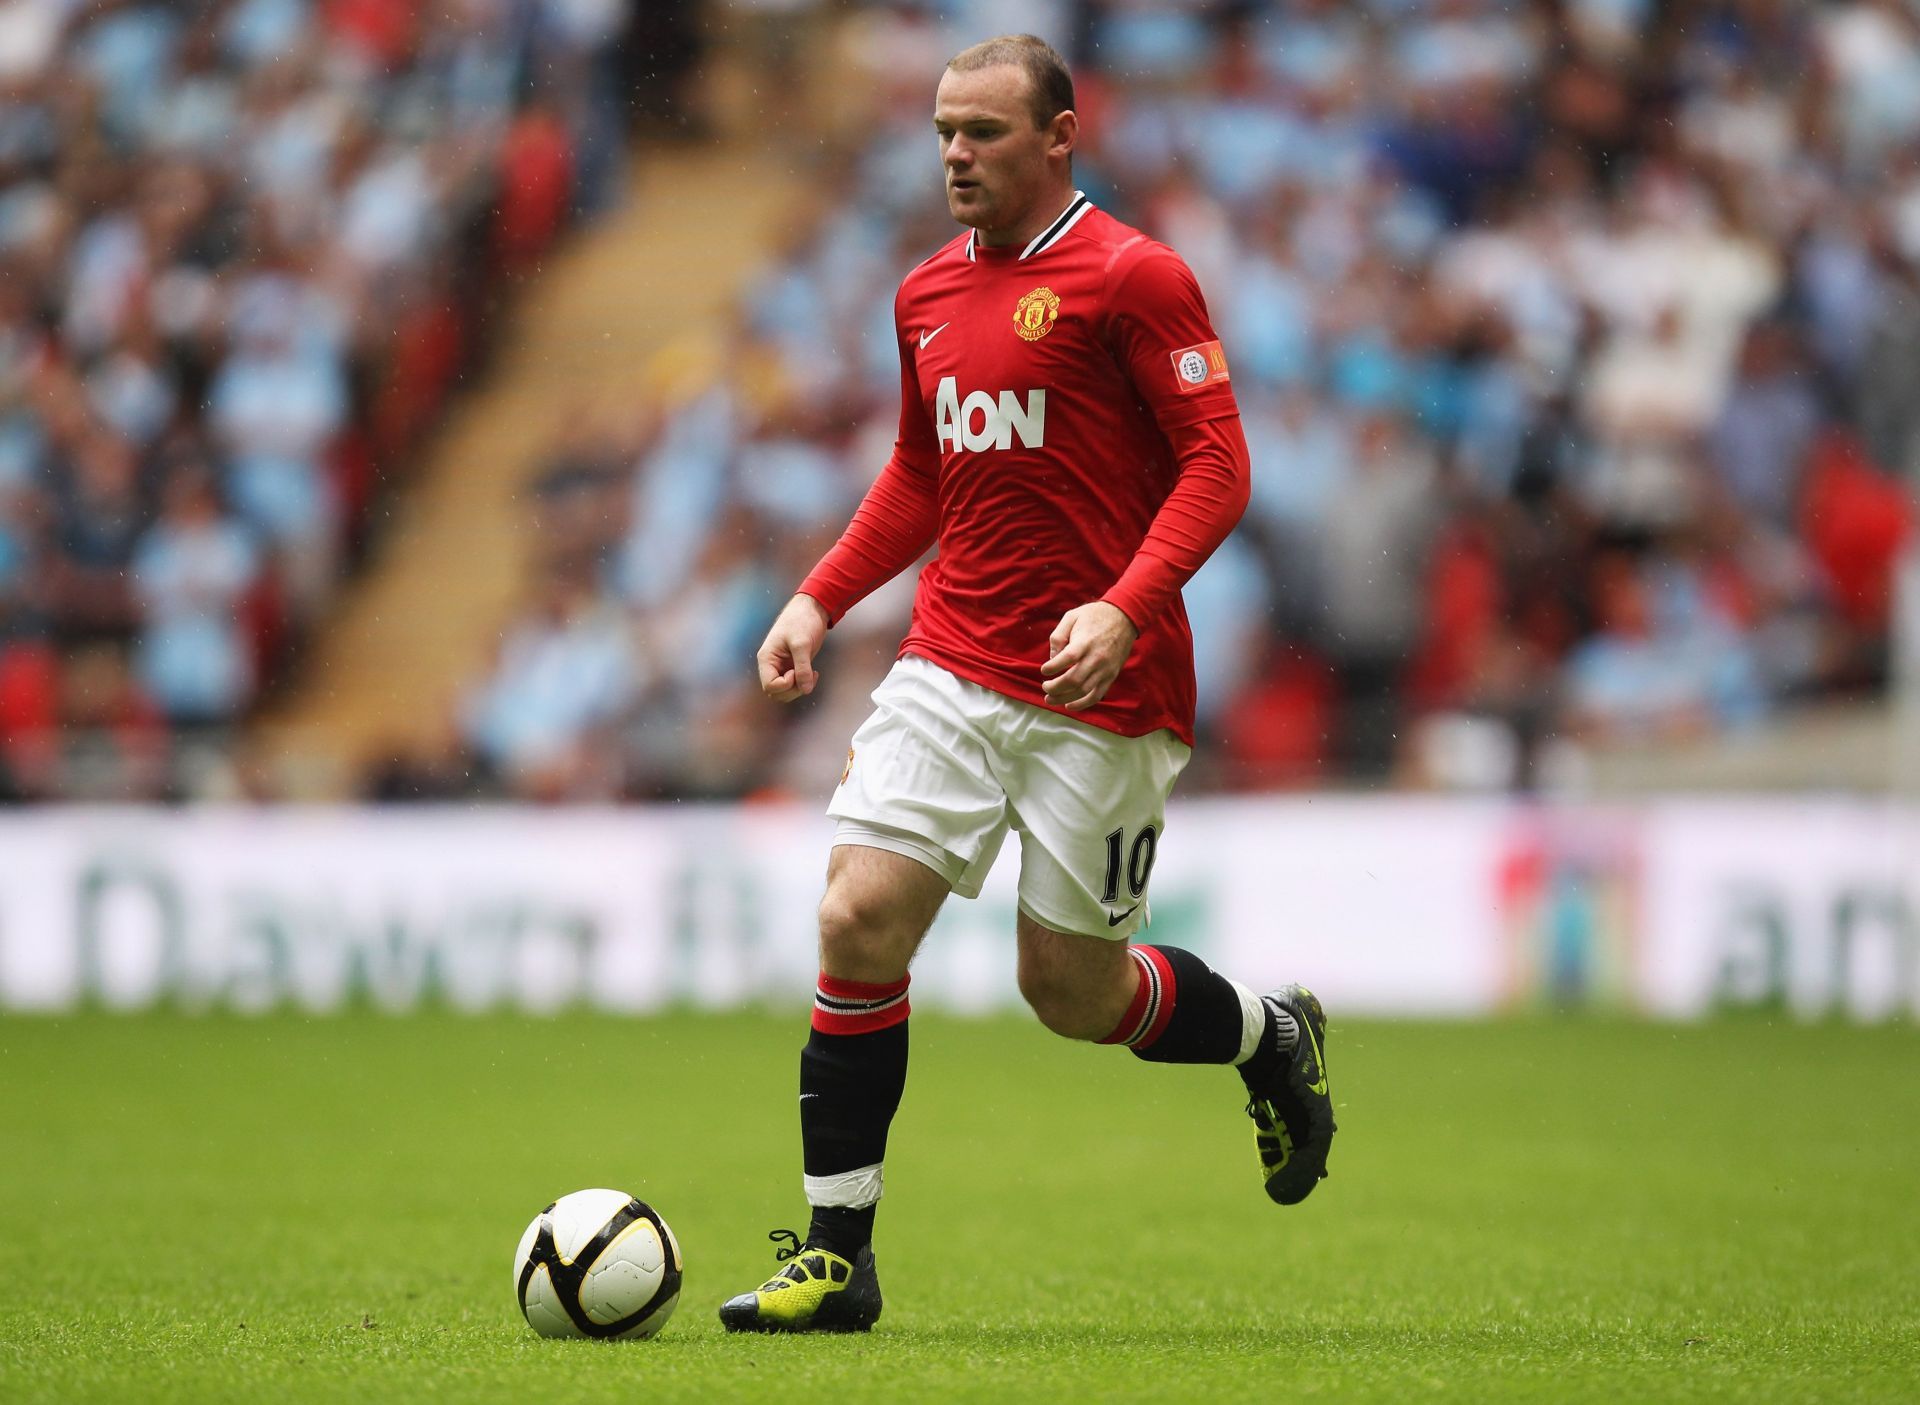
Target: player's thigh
x,y
878,906
919,781
1090,807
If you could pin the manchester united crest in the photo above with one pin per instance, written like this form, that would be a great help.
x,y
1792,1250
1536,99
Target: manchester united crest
x,y
1033,316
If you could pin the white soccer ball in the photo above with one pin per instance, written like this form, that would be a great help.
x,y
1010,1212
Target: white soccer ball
x,y
597,1263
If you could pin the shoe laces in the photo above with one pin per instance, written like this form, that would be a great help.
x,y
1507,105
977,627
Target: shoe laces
x,y
801,1269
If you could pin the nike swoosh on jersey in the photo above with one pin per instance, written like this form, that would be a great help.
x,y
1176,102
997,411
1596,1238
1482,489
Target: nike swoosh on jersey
x,y
926,337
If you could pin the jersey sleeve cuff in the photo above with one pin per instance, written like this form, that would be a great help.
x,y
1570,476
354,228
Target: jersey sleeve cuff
x,y
1128,605
824,596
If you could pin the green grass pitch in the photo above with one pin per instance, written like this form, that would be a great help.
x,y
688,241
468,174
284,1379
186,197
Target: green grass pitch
x,y
290,1210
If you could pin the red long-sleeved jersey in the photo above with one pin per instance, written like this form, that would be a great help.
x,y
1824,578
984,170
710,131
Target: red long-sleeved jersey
x,y
1068,433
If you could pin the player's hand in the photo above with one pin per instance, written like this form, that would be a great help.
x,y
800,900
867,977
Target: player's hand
x,y
1088,647
786,659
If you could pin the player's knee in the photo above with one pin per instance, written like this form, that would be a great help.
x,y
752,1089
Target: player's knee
x,y
860,939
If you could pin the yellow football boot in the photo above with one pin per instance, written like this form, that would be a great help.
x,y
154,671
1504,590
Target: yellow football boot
x,y
817,1291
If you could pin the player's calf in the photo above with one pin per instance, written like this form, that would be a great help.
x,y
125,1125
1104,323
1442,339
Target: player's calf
x,y
1180,1010
1076,999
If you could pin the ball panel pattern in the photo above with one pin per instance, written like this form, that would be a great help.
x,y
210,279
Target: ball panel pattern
x,y
618,1277
623,1278
578,1217
540,1304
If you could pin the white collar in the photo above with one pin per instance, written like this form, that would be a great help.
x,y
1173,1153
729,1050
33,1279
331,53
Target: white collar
x,y
1049,236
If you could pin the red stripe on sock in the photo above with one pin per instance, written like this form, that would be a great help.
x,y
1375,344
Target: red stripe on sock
x,y
884,1006
1136,1007
1168,991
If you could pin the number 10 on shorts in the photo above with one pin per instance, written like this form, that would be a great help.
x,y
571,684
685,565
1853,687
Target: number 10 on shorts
x,y
1138,859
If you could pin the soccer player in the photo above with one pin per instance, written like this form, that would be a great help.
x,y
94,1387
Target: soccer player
x,y
1069,438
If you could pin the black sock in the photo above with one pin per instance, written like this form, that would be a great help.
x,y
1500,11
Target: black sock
x,y
1268,1059
853,1070
841,1231
1184,1012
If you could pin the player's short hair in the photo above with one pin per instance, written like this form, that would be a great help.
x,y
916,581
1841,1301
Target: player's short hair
x,y
1050,86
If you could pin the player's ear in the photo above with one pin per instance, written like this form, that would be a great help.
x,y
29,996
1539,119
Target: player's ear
x,y
1063,133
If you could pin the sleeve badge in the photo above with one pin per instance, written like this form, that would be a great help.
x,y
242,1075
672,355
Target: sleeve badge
x,y
1196,367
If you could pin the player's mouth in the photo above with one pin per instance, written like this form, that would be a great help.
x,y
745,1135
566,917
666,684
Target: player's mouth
x,y
959,186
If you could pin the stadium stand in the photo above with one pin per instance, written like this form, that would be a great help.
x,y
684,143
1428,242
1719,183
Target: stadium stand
x,y
248,248
601,333
1573,339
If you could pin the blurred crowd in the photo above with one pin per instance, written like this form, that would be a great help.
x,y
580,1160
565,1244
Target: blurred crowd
x,y
1576,343
247,250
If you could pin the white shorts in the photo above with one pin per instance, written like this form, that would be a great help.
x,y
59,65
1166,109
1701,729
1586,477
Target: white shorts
x,y
943,767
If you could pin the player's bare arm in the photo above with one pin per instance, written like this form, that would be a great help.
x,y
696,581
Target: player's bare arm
x,y
786,658
1088,649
